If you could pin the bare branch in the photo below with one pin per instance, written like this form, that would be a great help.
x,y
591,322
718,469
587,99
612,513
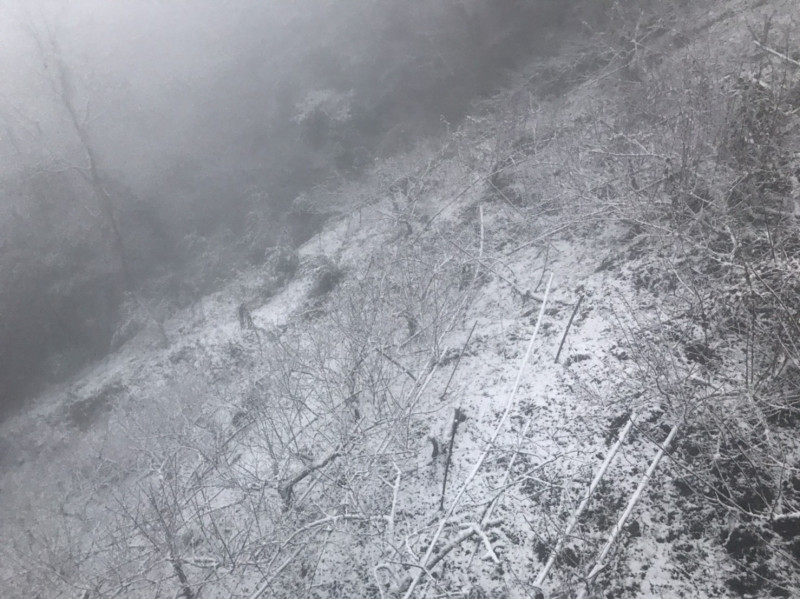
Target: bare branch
x,y
766,48
426,560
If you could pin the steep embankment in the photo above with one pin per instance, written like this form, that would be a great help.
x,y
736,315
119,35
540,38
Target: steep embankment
x,y
365,418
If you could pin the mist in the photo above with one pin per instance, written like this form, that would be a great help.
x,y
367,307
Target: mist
x,y
150,149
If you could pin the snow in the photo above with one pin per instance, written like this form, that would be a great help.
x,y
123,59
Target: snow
x,y
216,405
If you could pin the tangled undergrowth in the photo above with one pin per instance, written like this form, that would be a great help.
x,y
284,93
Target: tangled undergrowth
x,y
358,434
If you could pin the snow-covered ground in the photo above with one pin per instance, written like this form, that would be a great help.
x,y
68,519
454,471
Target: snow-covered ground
x,y
305,455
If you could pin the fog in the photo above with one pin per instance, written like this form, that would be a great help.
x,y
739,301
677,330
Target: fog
x,y
148,74
151,148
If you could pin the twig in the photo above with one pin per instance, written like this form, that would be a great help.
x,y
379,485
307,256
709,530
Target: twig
x,y
428,371
589,492
425,563
486,542
480,250
569,324
409,583
504,483
458,196
287,490
789,516
788,59
396,492
600,562
377,578
558,229
544,268
458,418
491,269
487,514
396,363
268,583
463,536
458,360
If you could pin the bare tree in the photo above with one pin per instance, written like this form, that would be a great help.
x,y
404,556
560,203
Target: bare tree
x,y
63,83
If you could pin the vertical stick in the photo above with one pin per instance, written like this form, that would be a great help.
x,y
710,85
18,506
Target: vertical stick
x,y
569,324
458,418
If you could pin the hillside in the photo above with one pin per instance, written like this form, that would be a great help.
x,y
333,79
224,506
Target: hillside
x,y
552,353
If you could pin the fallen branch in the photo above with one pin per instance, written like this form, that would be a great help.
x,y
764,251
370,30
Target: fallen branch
x,y
408,584
476,528
766,48
612,538
589,492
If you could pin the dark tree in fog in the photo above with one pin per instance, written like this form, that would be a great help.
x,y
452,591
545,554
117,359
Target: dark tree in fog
x,y
62,82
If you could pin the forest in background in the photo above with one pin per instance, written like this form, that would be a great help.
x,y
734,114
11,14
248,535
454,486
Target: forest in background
x,y
151,149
